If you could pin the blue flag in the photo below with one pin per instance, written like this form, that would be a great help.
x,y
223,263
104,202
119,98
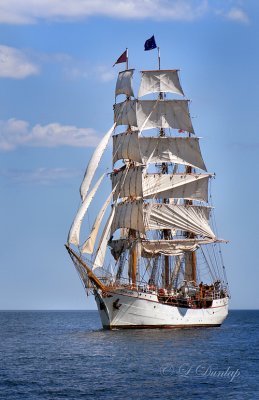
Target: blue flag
x,y
150,44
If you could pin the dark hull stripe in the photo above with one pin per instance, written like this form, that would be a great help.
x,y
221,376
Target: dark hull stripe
x,y
111,327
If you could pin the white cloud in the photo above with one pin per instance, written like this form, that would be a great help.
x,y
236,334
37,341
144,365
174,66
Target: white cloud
x,y
238,15
16,133
41,176
30,11
15,64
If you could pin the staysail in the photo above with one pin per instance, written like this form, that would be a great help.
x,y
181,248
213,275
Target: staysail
x,y
73,236
88,245
102,247
94,162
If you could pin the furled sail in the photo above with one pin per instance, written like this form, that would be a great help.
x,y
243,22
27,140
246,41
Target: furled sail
x,y
123,85
188,218
94,162
73,236
129,215
150,248
102,247
167,247
160,81
126,146
179,150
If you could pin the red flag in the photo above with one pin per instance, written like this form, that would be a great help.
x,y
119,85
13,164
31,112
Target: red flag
x,y
181,131
122,58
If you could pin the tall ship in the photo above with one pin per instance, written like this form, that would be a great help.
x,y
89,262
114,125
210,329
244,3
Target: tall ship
x,y
152,257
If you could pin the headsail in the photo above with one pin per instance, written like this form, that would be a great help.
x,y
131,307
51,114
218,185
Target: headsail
x,y
73,236
102,247
94,162
88,245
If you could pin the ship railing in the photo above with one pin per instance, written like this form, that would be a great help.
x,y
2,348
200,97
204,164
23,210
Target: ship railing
x,y
124,284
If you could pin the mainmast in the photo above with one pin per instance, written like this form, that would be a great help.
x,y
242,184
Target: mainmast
x,y
190,258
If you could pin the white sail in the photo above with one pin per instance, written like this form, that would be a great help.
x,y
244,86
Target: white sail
x,y
125,113
123,85
180,150
146,114
188,218
126,146
129,215
94,162
152,248
102,247
128,182
88,245
160,81
185,186
74,233
132,182
166,114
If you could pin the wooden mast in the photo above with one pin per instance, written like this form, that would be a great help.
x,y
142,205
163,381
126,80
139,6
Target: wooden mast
x,y
133,259
167,264
192,236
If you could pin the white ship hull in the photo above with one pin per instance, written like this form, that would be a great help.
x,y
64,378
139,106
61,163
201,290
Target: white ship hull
x,y
130,309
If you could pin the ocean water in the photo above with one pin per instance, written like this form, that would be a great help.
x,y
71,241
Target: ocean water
x,y
66,355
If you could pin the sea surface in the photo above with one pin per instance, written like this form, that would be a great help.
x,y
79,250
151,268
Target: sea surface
x,y
66,355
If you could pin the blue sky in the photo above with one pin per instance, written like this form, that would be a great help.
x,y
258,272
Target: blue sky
x,y
57,91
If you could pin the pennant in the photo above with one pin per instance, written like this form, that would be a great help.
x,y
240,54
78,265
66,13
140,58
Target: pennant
x,y
122,58
150,44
